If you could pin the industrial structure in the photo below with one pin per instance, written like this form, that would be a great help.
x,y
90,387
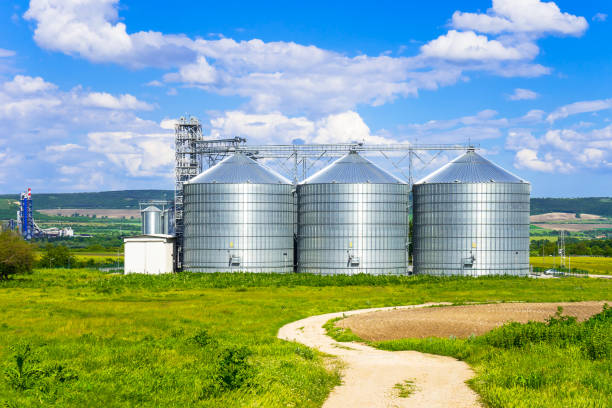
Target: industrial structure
x,y
471,217
352,218
239,215
157,217
28,228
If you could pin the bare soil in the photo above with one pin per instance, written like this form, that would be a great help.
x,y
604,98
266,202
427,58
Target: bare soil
x,y
458,321
555,216
88,212
573,227
590,217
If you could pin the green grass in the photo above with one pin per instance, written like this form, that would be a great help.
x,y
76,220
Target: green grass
x,y
203,340
591,264
339,333
556,364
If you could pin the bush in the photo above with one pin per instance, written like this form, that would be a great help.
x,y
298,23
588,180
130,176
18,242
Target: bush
x,y
234,368
57,256
16,255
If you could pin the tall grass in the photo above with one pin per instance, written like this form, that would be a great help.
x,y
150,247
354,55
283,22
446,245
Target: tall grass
x,y
204,340
559,363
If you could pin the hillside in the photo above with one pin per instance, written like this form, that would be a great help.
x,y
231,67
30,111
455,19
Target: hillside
x,y
589,205
126,199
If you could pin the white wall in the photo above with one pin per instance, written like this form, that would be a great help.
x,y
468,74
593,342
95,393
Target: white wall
x,y
150,257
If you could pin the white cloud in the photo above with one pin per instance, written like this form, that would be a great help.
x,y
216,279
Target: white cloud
x,y
90,28
154,83
279,75
600,17
6,53
199,73
274,128
579,107
468,45
108,101
522,16
63,148
23,84
139,154
528,159
522,94
520,139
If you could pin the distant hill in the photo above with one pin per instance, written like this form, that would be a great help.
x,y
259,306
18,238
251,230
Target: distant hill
x,y
127,199
588,205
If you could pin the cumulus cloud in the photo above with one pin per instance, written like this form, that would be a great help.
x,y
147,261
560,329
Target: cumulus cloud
x,y
139,154
579,107
528,159
23,84
345,127
52,125
468,45
521,94
108,101
90,29
522,16
292,77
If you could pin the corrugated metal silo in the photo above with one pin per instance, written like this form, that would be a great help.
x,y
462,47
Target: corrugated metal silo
x,y
352,218
471,217
151,220
238,217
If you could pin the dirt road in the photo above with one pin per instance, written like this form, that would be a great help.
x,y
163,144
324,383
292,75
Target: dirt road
x,y
370,375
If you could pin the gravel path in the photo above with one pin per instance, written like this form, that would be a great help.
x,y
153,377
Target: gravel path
x,y
369,375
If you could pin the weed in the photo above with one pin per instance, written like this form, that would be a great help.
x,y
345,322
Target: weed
x,y
405,389
24,374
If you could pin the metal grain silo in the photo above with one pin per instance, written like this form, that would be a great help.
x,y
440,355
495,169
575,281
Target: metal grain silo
x,y
151,220
238,217
352,218
471,217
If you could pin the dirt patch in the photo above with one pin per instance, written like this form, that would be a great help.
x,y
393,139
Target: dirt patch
x,y
573,227
554,216
458,321
590,217
86,212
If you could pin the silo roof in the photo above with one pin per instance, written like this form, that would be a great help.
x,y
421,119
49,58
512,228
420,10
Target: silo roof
x,y
471,168
151,208
352,169
238,169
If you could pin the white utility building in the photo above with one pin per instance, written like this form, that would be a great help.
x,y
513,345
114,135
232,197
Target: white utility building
x,y
150,254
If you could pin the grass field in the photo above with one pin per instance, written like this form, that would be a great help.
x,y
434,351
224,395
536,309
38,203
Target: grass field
x,y
591,264
204,340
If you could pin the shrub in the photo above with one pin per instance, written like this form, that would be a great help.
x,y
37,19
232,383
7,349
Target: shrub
x,y
16,255
234,369
57,256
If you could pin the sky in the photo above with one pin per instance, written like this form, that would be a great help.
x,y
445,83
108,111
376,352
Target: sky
x,y
90,89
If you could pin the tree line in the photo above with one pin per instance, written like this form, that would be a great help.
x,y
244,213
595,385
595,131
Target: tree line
x,y
573,246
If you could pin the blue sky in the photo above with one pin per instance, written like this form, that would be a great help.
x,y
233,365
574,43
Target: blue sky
x,y
89,89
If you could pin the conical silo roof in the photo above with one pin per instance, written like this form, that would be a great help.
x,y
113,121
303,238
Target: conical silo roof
x,y
471,168
151,208
239,169
352,169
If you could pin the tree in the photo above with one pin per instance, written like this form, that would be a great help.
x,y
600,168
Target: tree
x,y
16,255
57,256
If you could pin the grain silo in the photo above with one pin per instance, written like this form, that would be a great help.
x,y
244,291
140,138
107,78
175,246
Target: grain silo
x,y
238,217
352,218
471,217
151,218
